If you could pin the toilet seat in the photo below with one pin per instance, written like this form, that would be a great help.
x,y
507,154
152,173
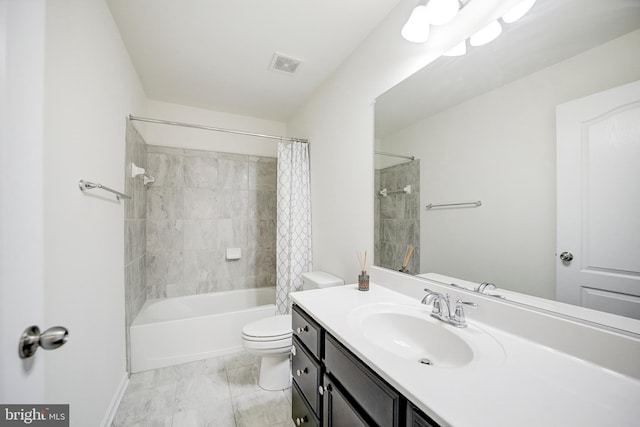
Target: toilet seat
x,y
275,346
271,329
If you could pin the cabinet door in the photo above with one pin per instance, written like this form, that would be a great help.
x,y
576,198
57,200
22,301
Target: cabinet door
x,y
337,411
381,403
415,418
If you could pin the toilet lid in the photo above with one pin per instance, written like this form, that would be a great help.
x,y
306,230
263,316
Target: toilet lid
x,y
275,326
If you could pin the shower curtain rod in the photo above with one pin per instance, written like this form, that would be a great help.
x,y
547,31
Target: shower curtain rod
x,y
237,132
395,155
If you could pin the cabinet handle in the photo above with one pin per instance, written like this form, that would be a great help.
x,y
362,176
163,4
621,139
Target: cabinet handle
x,y
299,372
321,389
293,350
303,420
301,330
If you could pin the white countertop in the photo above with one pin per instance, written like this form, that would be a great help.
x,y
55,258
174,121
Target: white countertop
x,y
531,385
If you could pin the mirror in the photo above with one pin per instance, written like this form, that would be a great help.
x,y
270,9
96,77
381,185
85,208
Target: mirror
x,y
482,128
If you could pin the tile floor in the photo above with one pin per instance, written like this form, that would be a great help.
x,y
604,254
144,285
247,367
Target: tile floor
x,y
221,391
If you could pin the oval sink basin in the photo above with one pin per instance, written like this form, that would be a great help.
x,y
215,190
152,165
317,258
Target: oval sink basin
x,y
416,339
410,333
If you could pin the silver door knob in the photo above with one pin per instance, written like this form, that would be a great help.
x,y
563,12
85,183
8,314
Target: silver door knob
x,y
566,256
50,339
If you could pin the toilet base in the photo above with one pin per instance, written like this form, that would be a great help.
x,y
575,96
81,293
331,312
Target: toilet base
x,y
275,372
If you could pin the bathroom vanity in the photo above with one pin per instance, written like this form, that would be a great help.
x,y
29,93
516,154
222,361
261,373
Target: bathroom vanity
x,y
331,384
380,358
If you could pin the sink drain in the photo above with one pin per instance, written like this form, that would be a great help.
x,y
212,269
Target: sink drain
x,y
425,361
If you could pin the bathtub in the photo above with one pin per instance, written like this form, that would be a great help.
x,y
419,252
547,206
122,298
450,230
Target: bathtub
x,y
185,329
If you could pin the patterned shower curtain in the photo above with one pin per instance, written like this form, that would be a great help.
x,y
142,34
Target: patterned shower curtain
x,y
293,240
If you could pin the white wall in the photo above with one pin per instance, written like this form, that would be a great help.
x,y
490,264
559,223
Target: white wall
x,y
183,137
504,155
90,88
338,120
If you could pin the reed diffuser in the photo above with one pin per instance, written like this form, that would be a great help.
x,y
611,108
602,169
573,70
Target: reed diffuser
x,y
363,278
407,257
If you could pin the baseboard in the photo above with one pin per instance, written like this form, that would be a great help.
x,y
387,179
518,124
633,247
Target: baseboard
x,y
115,402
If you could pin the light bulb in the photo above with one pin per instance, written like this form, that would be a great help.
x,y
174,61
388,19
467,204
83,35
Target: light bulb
x,y
518,11
416,29
458,50
442,11
486,35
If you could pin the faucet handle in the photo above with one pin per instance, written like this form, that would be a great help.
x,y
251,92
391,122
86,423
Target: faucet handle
x,y
485,286
458,319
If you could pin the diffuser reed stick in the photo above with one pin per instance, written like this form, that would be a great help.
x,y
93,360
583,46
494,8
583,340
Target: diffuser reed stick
x,y
362,261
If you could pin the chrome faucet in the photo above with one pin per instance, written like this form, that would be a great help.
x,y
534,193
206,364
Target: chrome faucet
x,y
442,311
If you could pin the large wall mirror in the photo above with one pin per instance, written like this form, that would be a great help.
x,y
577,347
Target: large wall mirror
x,y
482,128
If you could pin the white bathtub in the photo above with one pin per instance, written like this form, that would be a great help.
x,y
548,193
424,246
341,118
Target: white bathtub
x,y
184,329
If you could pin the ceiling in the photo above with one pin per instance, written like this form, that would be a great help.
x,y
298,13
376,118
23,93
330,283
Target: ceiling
x,y
215,54
552,31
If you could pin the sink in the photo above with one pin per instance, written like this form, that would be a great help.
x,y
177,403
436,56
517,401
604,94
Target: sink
x,y
410,333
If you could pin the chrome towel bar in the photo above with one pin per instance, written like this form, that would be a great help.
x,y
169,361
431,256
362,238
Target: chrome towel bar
x,y
475,204
86,185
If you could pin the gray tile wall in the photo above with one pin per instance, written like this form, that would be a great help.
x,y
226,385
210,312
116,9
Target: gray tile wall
x,y
135,239
202,203
397,216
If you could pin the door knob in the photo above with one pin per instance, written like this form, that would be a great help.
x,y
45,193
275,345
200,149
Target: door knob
x,y
566,256
50,339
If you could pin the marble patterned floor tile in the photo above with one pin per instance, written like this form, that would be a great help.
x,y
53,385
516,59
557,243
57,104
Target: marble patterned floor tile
x,y
240,360
217,392
142,405
261,408
213,413
243,380
203,388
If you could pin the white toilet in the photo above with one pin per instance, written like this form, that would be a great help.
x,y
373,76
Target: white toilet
x,y
270,338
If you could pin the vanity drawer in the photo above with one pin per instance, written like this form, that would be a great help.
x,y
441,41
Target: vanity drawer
x,y
377,399
301,414
307,331
306,373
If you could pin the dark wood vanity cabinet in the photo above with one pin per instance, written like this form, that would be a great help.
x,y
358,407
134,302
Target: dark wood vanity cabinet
x,y
333,388
415,418
306,369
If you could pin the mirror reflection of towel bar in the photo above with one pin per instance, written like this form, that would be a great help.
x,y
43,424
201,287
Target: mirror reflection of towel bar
x,y
470,204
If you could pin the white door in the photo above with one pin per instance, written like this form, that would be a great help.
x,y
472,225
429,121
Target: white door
x,y
21,197
598,201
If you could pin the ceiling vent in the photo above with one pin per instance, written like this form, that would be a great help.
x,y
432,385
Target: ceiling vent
x,y
284,63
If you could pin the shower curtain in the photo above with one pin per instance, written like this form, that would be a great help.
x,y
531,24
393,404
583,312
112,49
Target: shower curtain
x,y
293,240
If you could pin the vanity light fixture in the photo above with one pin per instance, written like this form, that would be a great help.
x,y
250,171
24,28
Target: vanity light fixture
x,y
458,50
427,13
518,11
486,35
442,12
416,29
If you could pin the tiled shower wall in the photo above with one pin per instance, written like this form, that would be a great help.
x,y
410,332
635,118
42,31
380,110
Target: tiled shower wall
x,y
135,240
202,203
397,216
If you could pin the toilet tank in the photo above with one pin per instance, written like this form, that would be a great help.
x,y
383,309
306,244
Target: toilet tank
x,y
319,279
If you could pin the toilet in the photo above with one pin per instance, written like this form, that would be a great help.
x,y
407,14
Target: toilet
x,y
270,338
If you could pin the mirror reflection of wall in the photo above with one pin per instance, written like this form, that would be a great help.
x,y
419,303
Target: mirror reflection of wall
x,y
397,217
499,147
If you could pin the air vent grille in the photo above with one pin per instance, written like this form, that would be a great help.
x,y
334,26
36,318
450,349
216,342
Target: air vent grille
x,y
284,63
